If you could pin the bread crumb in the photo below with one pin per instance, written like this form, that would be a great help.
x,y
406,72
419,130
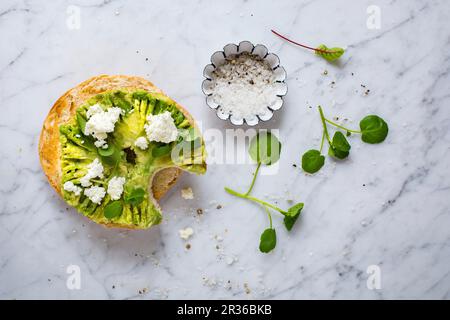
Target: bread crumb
x,y
187,193
186,233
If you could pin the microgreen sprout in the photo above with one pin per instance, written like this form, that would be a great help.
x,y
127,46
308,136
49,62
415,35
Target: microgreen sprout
x,y
373,129
329,54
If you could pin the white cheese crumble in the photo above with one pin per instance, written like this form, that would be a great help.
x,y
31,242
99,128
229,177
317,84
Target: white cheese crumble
x,y
115,187
185,234
100,143
161,128
95,194
101,122
141,143
187,193
71,187
244,86
95,169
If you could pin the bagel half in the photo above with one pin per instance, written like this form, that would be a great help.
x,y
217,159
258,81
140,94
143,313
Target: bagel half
x,y
64,112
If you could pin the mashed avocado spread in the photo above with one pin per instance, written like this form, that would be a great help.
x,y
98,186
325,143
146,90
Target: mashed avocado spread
x,y
122,158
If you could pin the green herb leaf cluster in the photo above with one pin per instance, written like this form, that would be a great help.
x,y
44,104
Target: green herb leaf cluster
x,y
265,148
373,129
135,197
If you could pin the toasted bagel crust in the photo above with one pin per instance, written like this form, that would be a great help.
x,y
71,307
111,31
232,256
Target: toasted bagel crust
x,y
64,109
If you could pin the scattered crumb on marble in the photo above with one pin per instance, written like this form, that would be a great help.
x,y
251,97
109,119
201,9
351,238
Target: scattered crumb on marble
x,y
247,288
143,291
187,193
209,282
186,233
231,260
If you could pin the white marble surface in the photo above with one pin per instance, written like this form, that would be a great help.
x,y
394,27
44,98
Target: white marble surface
x,y
388,205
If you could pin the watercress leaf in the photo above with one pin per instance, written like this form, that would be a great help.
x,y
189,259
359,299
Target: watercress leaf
x,y
338,154
160,151
135,197
268,240
312,161
106,152
110,155
340,142
265,148
113,209
329,54
295,210
292,216
374,129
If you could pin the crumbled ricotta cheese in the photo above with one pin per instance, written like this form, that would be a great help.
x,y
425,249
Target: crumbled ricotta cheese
x,y
244,86
115,187
95,109
71,187
141,143
187,193
186,233
100,143
95,169
95,194
101,122
161,128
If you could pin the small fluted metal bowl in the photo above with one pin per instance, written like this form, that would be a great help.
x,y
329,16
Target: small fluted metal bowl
x,y
219,58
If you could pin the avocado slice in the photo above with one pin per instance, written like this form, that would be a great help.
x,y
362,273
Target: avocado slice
x,y
123,158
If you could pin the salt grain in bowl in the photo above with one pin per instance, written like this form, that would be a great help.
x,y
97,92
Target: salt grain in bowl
x,y
244,86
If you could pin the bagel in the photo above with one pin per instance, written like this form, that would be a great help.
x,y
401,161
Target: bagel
x,y
133,177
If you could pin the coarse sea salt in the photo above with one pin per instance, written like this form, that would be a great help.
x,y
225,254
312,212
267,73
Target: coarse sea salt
x,y
244,86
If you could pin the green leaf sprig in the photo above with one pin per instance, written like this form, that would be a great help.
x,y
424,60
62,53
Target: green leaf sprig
x,y
265,149
329,54
373,129
135,197
113,209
